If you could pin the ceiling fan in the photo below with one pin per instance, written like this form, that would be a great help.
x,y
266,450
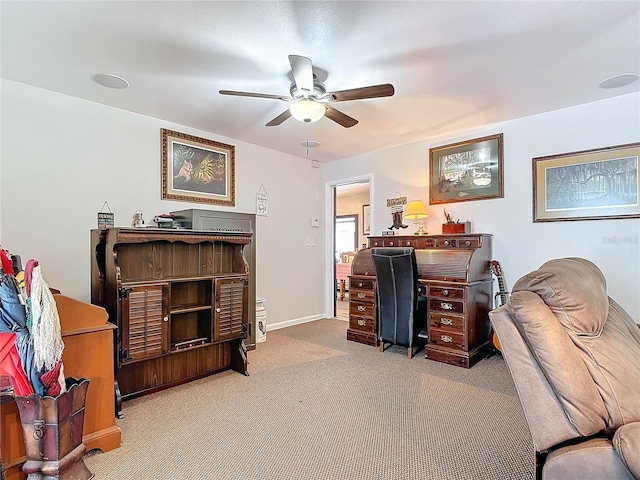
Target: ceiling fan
x,y
309,98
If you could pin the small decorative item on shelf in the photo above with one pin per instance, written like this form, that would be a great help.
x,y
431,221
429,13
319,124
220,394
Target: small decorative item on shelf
x,y
455,226
138,220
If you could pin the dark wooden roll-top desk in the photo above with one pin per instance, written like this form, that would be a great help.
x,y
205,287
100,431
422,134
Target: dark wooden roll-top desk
x,y
455,279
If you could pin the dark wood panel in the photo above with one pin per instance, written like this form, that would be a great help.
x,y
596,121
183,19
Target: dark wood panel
x,y
172,369
144,328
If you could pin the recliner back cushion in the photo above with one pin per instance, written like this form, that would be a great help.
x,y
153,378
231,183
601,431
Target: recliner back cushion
x,y
604,336
574,289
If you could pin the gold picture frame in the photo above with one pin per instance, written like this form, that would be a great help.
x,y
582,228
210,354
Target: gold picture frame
x,y
197,169
465,171
587,185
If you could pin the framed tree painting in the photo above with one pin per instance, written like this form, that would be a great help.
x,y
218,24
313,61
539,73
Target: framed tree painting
x,y
587,185
464,171
196,169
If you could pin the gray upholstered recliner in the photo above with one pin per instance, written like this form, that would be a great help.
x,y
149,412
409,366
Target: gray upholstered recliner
x,y
574,355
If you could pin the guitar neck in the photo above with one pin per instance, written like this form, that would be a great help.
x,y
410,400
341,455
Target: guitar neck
x,y
503,290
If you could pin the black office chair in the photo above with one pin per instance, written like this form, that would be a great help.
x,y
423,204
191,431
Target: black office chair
x,y
399,322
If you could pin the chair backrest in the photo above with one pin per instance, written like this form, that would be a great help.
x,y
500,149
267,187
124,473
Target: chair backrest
x,y
573,352
397,293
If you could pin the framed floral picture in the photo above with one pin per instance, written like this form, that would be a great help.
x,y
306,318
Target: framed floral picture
x,y
587,185
464,171
196,169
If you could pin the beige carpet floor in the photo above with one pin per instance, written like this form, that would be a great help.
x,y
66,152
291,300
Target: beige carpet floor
x,y
316,406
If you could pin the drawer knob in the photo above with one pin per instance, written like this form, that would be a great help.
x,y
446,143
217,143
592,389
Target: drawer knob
x,y
446,306
218,310
165,319
467,243
361,308
446,338
360,284
446,321
362,323
362,295
446,243
445,293
391,243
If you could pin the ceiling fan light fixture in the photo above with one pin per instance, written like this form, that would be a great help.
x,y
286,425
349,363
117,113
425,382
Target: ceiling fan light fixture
x,y
307,110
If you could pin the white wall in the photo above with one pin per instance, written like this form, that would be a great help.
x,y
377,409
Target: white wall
x,y
519,244
62,157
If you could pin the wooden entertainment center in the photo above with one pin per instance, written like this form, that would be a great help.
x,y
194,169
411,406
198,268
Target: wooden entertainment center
x,y
179,299
454,277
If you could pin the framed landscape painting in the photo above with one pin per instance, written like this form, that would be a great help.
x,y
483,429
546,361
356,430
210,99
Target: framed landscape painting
x,y
197,169
469,170
587,185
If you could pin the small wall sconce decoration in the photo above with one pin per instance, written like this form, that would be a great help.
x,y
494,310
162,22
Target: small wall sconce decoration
x,y
396,204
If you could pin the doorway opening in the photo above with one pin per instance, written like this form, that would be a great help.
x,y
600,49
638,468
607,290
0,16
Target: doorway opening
x,y
351,202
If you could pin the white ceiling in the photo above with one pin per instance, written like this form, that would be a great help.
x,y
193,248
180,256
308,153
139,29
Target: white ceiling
x,y
455,65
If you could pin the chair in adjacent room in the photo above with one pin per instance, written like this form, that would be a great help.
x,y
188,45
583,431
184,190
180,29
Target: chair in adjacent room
x,y
574,355
397,287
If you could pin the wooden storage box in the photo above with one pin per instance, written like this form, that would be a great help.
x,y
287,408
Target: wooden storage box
x,y
464,227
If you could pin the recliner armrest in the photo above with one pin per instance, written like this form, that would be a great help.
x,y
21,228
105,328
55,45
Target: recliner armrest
x,y
626,443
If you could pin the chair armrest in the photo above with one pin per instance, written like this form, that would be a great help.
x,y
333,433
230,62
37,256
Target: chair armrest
x,y
626,443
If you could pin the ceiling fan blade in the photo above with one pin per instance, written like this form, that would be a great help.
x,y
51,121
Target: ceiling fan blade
x,y
279,119
254,95
341,118
374,91
302,72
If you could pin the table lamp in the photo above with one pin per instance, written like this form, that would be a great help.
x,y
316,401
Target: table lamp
x,y
416,211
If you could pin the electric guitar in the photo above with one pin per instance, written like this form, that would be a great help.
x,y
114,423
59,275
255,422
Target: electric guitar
x,y
503,294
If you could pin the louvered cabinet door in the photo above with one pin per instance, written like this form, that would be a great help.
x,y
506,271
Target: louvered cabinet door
x,y
144,322
230,314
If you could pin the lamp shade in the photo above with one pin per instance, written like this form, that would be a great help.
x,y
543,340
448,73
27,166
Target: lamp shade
x,y
415,210
307,110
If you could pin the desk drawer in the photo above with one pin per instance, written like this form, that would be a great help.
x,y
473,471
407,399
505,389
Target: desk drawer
x,y
362,283
361,309
365,296
446,338
445,306
446,292
451,323
455,242
364,324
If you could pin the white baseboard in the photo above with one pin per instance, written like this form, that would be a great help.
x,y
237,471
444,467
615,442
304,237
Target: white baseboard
x,y
295,321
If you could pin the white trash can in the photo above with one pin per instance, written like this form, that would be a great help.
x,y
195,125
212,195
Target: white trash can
x,y
261,320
